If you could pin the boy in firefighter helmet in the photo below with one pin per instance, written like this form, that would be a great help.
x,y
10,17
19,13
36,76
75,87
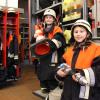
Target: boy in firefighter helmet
x,y
47,64
81,67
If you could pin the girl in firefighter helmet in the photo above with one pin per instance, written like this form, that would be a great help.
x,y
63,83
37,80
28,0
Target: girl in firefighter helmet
x,y
82,62
49,22
50,30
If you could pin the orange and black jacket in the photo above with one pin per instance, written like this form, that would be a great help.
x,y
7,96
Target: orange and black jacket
x,y
58,44
55,34
88,58
87,63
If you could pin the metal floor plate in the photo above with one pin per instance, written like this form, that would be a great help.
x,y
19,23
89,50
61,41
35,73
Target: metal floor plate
x,y
40,94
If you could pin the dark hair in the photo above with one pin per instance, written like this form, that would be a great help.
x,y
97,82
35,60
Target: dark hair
x,y
86,42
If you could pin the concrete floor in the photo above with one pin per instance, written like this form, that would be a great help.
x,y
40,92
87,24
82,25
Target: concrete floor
x,y
23,88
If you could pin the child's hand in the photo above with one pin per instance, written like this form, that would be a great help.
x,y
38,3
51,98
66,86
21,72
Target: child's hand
x,y
61,72
40,38
79,78
38,33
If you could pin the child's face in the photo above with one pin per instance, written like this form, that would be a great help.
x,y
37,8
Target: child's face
x,y
48,19
79,33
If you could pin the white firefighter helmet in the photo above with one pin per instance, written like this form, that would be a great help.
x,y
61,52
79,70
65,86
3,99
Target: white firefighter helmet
x,y
82,22
50,12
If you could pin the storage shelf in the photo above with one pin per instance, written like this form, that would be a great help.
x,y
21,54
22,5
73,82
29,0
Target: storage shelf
x,y
24,32
53,6
8,27
20,10
24,38
74,10
26,27
96,38
11,24
69,23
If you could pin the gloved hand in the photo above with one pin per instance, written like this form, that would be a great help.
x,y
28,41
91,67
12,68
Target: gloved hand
x,y
65,67
79,78
40,38
61,72
37,33
64,70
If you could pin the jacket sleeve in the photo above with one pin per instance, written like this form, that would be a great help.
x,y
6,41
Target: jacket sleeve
x,y
58,41
92,74
96,70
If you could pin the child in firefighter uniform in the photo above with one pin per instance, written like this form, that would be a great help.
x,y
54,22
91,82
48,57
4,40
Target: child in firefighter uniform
x,y
49,30
81,67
